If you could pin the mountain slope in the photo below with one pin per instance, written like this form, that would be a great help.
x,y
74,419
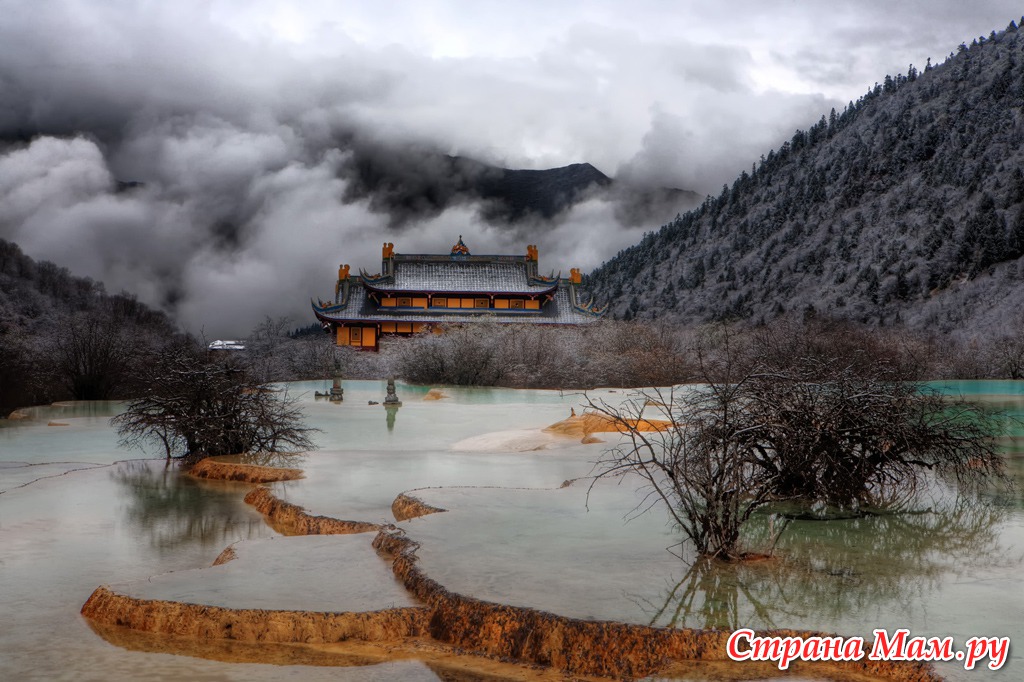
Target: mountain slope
x,y
907,206
410,184
63,337
544,192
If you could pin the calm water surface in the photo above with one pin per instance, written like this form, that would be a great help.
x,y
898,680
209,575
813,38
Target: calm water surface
x,y
77,512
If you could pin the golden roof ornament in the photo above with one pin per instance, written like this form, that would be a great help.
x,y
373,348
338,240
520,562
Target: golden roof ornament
x,y
460,249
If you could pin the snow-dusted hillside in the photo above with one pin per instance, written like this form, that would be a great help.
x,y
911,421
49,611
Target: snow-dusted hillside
x,y
907,206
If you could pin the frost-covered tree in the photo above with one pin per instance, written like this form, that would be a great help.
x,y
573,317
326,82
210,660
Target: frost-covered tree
x,y
829,422
198,405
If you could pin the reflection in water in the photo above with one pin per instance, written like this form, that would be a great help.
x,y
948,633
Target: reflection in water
x,y
171,509
234,651
280,460
857,570
392,413
1013,496
63,537
68,409
826,571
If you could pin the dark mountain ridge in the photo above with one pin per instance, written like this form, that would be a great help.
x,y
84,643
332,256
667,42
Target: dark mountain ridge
x,y
411,184
545,192
907,206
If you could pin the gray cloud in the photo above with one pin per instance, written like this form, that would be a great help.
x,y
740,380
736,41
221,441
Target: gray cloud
x,y
256,130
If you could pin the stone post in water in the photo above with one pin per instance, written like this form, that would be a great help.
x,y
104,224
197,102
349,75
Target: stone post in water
x,y
391,400
337,392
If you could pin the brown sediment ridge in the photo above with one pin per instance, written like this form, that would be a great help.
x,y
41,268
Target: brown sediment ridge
x,y
583,425
203,622
457,624
586,647
407,507
449,625
465,625
247,473
291,519
435,394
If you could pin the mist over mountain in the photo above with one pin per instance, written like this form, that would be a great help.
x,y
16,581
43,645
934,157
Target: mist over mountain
x,y
412,184
907,206
221,226
222,221
221,159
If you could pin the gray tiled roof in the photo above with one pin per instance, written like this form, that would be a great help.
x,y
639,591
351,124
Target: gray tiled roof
x,y
362,308
462,276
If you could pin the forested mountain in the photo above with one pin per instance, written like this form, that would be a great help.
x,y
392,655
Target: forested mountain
x,y
907,206
63,336
545,192
410,184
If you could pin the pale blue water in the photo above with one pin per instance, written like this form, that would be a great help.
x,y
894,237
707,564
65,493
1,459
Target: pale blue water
x,y
74,515
985,387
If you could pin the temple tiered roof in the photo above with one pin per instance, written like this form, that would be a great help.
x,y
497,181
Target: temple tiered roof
x,y
491,276
414,292
560,310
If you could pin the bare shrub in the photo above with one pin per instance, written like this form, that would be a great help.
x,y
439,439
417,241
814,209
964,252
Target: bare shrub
x,y
198,406
606,353
820,421
464,355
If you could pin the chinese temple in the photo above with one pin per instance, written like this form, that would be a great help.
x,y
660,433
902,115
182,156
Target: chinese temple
x,y
415,293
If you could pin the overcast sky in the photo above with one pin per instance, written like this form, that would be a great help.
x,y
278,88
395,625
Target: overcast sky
x,y
235,114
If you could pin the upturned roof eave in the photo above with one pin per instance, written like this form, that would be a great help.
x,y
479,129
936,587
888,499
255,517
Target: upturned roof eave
x,y
464,292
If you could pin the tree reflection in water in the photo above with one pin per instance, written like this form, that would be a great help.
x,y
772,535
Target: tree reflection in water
x,y
281,460
1011,495
824,571
174,510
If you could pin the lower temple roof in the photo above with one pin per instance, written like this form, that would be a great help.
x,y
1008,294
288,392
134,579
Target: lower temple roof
x,y
362,308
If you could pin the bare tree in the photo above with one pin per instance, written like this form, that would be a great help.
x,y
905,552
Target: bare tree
x,y
606,353
93,355
816,421
841,420
196,406
267,349
1006,355
699,470
464,355
312,357
17,365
